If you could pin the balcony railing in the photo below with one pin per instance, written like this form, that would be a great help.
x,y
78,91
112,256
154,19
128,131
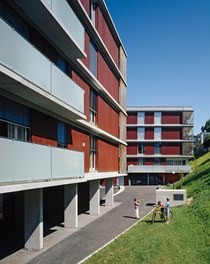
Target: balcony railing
x,y
22,58
159,168
24,161
71,23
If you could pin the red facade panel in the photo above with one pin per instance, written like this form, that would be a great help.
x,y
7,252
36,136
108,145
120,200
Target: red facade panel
x,y
107,156
43,129
132,118
132,150
171,133
106,35
149,133
107,117
171,118
171,149
86,5
149,162
131,133
149,150
149,118
132,161
107,78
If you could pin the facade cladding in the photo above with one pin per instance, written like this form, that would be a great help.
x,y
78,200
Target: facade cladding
x,y
62,114
160,143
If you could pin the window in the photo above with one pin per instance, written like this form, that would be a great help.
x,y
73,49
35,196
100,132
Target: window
x,y
141,117
140,161
141,148
157,161
93,150
157,148
93,106
157,117
93,59
14,120
62,134
92,11
141,132
157,133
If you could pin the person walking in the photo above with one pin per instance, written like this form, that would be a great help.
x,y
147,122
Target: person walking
x,y
136,208
167,208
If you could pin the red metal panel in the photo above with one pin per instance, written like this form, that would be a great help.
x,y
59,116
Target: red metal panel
x,y
107,78
108,118
132,118
132,161
131,133
86,5
171,117
149,162
132,150
149,133
149,150
172,149
107,156
149,118
171,133
106,35
43,129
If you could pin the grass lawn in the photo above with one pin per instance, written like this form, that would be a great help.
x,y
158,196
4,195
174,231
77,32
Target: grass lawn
x,y
185,240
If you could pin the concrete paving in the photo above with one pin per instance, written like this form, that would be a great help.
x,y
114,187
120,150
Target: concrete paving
x,y
73,246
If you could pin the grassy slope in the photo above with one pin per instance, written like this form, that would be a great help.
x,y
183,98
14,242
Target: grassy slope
x,y
185,240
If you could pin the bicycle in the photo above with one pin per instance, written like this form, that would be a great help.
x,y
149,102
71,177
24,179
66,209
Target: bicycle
x,y
161,213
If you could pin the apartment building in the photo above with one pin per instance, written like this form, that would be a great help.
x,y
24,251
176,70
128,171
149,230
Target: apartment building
x,y
160,144
62,115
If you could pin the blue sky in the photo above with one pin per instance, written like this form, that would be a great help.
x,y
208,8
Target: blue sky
x,y
168,47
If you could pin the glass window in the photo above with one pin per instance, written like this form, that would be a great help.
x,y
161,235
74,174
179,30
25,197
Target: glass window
x,y
141,117
157,161
93,59
141,132
157,133
1,206
140,161
62,134
93,106
93,150
157,148
157,117
92,11
141,148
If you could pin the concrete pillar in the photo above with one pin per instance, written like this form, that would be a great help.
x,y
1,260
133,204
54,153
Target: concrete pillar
x,y
148,179
94,197
71,206
109,192
34,219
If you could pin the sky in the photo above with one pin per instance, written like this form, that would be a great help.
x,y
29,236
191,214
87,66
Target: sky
x,y
168,48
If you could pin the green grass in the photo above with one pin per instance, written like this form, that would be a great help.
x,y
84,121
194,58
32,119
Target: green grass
x,y
185,240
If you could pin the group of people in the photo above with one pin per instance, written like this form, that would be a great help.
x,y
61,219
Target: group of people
x,y
162,207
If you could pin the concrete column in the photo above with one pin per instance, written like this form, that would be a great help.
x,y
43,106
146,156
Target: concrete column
x,y
71,206
94,197
34,219
148,179
109,192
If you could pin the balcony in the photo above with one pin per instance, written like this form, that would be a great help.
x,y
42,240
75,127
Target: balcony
x,y
30,75
23,161
58,22
159,168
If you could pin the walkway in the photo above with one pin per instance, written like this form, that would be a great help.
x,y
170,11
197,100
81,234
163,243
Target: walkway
x,y
93,233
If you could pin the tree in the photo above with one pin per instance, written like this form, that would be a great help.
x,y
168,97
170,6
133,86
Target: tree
x,y
206,142
206,128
